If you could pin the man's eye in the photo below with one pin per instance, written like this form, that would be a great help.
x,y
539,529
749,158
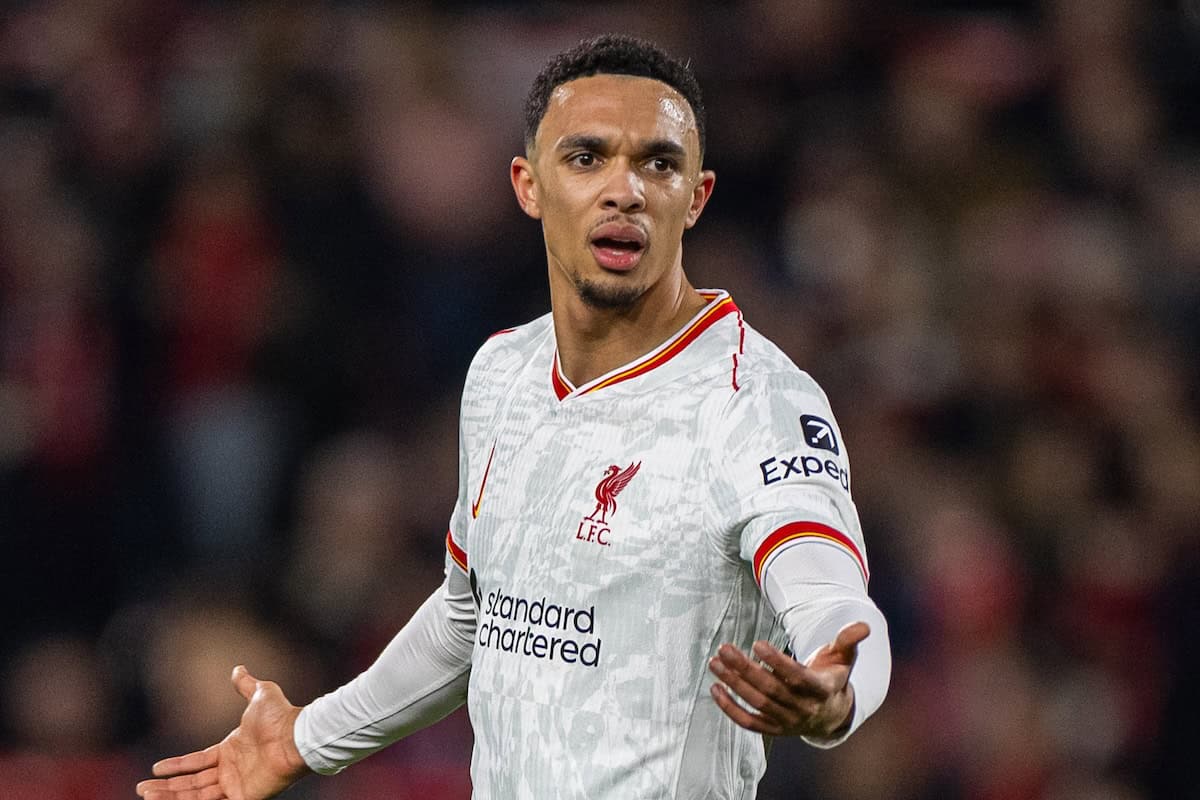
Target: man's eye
x,y
583,159
661,164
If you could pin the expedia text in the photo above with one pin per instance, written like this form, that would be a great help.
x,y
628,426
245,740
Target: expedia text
x,y
778,469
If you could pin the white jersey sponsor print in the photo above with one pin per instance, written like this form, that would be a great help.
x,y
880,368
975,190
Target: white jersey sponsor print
x,y
614,535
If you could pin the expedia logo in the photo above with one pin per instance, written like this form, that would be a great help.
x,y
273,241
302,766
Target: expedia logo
x,y
536,628
776,469
819,434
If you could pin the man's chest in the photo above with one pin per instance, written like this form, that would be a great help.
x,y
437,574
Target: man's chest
x,y
594,552
591,500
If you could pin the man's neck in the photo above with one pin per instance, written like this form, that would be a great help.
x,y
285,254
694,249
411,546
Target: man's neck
x,y
594,341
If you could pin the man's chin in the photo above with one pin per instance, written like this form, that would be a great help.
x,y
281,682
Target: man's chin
x,y
607,296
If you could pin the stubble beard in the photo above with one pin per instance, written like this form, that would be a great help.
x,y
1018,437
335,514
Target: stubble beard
x,y
605,296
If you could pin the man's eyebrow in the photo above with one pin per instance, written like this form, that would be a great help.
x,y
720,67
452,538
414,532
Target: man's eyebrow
x,y
663,147
581,141
653,147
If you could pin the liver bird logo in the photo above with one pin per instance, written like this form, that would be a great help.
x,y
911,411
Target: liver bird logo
x,y
615,479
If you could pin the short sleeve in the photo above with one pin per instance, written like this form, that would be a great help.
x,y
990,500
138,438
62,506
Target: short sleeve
x,y
784,476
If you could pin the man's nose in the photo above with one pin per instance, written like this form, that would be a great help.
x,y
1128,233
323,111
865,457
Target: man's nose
x,y
624,191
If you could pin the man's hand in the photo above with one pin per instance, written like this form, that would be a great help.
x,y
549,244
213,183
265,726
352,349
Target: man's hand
x,y
791,699
257,760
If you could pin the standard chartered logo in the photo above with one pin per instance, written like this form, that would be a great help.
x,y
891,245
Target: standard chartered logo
x,y
539,629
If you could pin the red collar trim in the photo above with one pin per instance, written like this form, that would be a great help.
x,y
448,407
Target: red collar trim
x,y
562,386
720,304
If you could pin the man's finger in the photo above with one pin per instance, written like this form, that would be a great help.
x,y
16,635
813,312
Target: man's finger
x,y
843,650
244,682
764,680
204,785
798,678
196,781
760,691
208,793
149,789
747,720
192,762
848,639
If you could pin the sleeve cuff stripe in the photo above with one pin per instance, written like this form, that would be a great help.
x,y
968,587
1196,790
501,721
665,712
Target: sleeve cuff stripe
x,y
457,554
795,532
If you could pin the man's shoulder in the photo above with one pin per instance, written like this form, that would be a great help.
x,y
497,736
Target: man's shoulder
x,y
508,350
764,363
522,337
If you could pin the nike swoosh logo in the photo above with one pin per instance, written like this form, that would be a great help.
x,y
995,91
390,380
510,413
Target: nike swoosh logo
x,y
482,484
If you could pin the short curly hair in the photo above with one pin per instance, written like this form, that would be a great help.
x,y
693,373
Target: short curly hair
x,y
612,54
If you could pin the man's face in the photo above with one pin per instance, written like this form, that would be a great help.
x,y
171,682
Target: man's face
x,y
614,175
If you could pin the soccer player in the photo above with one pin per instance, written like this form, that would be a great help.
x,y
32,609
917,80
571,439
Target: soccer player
x,y
654,562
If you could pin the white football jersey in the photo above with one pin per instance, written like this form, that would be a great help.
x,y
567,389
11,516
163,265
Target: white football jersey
x,y
614,535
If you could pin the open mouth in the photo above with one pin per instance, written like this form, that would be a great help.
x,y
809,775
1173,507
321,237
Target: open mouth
x,y
628,245
618,247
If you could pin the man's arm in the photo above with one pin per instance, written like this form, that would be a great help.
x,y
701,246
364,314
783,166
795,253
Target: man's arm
x,y
846,669
419,678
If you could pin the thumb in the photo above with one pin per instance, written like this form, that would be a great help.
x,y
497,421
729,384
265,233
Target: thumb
x,y
244,682
848,639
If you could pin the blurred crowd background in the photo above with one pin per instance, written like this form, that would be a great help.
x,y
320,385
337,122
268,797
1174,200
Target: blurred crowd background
x,y
247,250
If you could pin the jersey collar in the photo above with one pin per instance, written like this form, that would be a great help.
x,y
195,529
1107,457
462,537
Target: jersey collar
x,y
720,305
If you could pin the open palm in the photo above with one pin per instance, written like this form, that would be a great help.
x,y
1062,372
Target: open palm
x,y
257,760
786,697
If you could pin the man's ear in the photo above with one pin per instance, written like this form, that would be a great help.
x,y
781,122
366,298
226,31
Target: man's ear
x,y
521,174
700,194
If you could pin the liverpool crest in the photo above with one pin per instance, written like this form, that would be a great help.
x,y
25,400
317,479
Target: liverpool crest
x,y
596,524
